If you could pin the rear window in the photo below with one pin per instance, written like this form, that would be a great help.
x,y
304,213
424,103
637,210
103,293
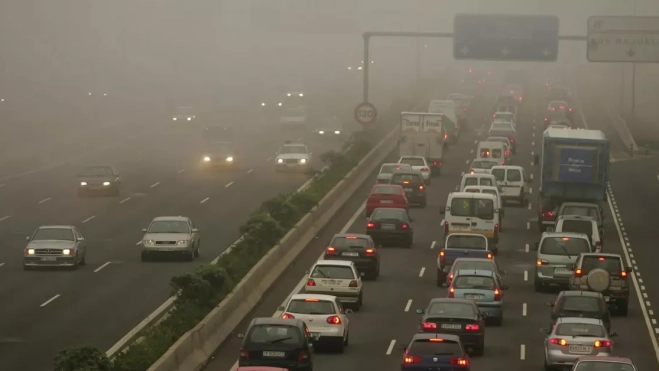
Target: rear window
x,y
347,242
333,271
473,265
479,208
398,214
412,161
490,192
603,366
388,169
427,347
485,182
577,226
580,304
474,282
446,309
609,264
564,246
580,211
580,329
497,153
311,306
466,242
386,190
402,178
499,174
514,175
483,164
274,334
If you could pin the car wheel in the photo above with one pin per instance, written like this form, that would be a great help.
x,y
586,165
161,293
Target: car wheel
x,y
358,306
340,346
190,256
76,263
197,253
346,342
83,261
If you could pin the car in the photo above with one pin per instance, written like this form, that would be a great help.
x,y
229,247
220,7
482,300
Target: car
x,y
494,191
184,114
502,125
330,127
581,224
293,156
556,254
583,304
357,248
437,351
504,117
390,227
556,117
459,317
573,337
55,246
387,170
596,363
482,286
175,235
503,140
99,180
504,130
559,106
583,209
505,99
220,155
418,163
277,342
482,166
606,274
493,151
558,125
413,185
513,183
324,316
474,264
386,196
339,278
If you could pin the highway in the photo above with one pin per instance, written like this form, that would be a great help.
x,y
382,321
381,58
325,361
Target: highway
x,y
407,280
47,310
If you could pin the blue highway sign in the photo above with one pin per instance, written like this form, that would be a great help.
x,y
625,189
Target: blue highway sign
x,y
503,37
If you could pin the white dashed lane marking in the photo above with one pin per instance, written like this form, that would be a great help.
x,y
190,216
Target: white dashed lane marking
x,y
101,267
523,309
88,219
50,300
408,305
228,185
4,218
154,185
249,171
391,347
1,264
204,200
124,200
45,200
180,171
423,270
432,245
522,352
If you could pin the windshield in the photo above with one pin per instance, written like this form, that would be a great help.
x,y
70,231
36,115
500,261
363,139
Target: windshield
x,y
474,282
386,190
613,265
495,139
580,329
480,164
577,226
340,272
346,242
580,304
388,169
504,116
564,246
53,234
412,161
466,242
603,366
398,214
97,171
401,179
311,306
501,126
446,309
581,211
293,149
430,348
169,226
274,334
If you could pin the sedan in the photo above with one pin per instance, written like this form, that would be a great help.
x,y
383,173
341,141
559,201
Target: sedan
x,y
99,180
55,246
574,337
386,196
481,166
390,226
171,235
357,248
590,363
458,317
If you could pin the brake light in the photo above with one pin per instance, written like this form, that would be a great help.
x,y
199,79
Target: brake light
x,y
460,362
405,226
450,277
353,283
546,119
406,182
244,355
334,320
445,136
425,169
351,238
507,153
436,340
623,274
578,273
445,227
553,108
421,187
455,127
541,262
370,225
451,292
497,295
512,140
520,99
494,116
409,360
512,91
303,357
602,344
562,107
330,251
287,316
472,171
473,327
434,163
311,282
557,341
429,326
489,256
442,256
370,251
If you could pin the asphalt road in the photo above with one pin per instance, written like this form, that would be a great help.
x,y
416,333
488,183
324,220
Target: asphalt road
x,y
46,311
407,280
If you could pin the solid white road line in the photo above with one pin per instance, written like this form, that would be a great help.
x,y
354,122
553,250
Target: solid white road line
x,y
181,171
204,200
522,352
423,270
523,309
249,171
4,218
154,185
531,176
228,185
102,266
1,264
88,219
124,200
432,245
49,300
529,206
409,304
44,200
391,347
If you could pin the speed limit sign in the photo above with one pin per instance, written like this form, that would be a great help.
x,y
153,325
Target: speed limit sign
x,y
365,113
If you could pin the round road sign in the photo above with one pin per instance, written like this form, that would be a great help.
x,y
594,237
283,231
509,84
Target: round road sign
x,y
365,113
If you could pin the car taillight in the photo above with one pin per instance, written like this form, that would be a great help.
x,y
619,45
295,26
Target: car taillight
x,y
434,163
303,357
334,320
445,136
578,273
547,214
353,283
546,119
287,316
497,295
425,169
472,171
512,140
623,274
429,326
541,262
562,107
330,251
370,225
460,362
553,108
311,282
370,251
602,344
449,278
507,153
421,187
441,256
410,360
520,99
445,227
558,341
489,255
570,109
494,116
244,355
451,292
473,327
405,226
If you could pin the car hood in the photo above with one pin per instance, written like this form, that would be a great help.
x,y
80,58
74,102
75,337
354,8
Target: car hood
x,y
50,244
292,155
167,236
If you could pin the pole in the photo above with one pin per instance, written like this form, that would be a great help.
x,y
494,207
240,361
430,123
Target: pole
x,y
633,97
367,64
418,61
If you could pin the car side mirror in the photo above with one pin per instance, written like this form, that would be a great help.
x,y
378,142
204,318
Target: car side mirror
x,y
143,230
613,334
536,159
419,311
442,210
81,239
195,230
349,311
241,336
629,269
536,246
549,304
281,308
27,238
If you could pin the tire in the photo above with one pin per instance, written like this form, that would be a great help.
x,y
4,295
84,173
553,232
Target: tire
x,y
340,347
83,262
346,342
358,306
76,265
441,278
190,256
197,253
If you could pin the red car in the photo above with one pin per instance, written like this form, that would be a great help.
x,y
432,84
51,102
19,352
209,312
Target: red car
x,y
387,196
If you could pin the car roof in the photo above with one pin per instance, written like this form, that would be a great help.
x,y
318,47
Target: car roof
x,y
578,217
563,234
473,260
470,195
426,336
485,142
596,135
402,157
56,227
590,321
343,263
171,218
468,234
450,300
398,209
276,321
502,112
408,172
603,254
312,296
509,167
593,294
394,164
474,272
557,102
358,235
605,358
585,204
294,145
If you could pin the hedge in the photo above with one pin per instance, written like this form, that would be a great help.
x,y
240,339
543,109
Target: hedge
x,y
199,291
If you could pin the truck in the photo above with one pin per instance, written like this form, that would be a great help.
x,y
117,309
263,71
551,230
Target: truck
x,y
450,121
574,168
462,245
422,134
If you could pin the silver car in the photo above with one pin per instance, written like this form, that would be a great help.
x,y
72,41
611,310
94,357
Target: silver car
x,y
575,337
55,246
384,176
557,253
171,235
293,157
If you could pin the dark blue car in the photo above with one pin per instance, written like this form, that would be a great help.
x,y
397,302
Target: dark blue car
x,y
435,352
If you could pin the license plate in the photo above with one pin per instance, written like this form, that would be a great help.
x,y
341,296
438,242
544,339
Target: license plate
x,y
314,334
607,299
562,270
386,202
408,189
48,259
585,349
166,249
473,296
451,326
274,354
330,282
458,226
350,254
388,226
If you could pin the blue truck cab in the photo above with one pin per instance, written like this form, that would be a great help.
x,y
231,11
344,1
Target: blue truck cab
x,y
574,167
461,245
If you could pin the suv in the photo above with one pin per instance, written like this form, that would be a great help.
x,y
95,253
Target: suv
x,y
586,304
606,274
557,253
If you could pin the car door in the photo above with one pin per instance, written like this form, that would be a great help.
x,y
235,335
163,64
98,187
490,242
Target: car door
x,y
195,235
514,181
80,241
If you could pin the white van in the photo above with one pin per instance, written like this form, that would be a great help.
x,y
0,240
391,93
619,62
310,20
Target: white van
x,y
494,191
493,150
512,181
477,179
467,212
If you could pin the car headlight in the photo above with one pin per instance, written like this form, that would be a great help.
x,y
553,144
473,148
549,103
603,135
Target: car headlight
x,y
303,161
83,183
148,242
280,160
189,118
321,132
66,252
182,242
337,132
174,118
30,251
106,183
229,159
207,159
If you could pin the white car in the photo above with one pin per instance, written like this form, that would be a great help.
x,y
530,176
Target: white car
x,y
504,116
336,277
581,224
418,163
480,165
386,170
503,125
293,156
325,317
